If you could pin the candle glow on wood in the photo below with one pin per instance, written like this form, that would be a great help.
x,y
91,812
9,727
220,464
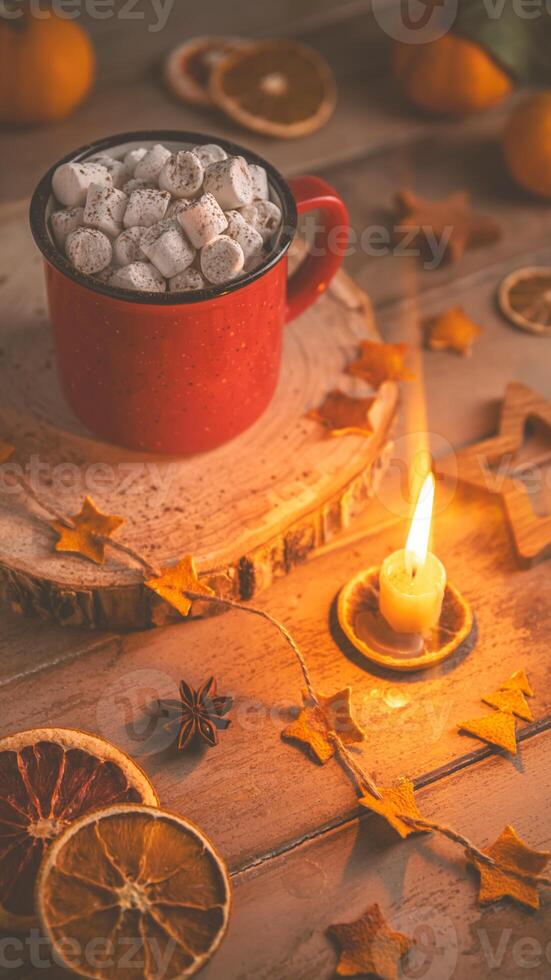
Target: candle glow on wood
x,y
412,581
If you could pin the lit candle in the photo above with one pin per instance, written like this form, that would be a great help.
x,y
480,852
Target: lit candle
x,y
412,581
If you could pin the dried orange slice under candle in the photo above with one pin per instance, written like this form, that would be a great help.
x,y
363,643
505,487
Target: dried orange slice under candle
x,y
142,880
279,88
48,778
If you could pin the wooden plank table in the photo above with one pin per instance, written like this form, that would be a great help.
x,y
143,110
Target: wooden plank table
x,y
301,857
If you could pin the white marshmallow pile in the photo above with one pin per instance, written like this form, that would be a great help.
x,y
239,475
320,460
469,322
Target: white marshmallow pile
x,y
156,221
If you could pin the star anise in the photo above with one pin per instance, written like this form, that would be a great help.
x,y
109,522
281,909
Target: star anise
x,y
199,713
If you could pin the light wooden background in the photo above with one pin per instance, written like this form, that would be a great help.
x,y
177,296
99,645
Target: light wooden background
x,y
290,831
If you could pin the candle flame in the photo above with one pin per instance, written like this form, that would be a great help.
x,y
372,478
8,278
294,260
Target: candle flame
x,y
419,532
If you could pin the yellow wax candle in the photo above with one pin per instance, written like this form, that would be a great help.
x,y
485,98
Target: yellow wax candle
x,y
412,581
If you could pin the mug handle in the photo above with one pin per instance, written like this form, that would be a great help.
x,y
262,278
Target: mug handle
x,y
316,272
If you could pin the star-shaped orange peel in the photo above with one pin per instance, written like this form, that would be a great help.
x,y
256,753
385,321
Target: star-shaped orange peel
x,y
369,946
452,330
450,220
497,729
379,362
518,682
510,852
88,529
176,581
344,415
315,723
396,802
511,702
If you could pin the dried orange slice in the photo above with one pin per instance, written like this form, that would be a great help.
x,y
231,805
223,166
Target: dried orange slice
x,y
48,778
188,67
525,299
142,888
279,88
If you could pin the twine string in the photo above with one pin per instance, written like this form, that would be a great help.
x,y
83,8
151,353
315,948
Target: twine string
x,y
362,779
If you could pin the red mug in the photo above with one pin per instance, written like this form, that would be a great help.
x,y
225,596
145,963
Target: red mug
x,y
169,373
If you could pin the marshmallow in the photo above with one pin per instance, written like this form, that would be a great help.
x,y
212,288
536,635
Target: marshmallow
x,y
105,208
247,236
126,248
71,181
117,169
89,250
146,207
136,184
105,274
133,157
265,216
210,153
222,260
63,223
187,282
141,276
202,220
182,174
230,183
150,166
259,177
169,253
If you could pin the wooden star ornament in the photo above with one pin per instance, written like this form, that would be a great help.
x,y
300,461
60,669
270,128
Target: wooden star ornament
x,y
343,415
396,802
175,581
513,854
315,723
492,466
369,946
450,220
88,528
380,362
452,330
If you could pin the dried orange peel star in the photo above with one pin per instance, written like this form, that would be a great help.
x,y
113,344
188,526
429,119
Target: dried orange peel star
x,y
175,582
344,415
316,722
450,220
369,946
85,536
396,802
511,702
510,852
498,729
518,682
452,330
6,452
380,362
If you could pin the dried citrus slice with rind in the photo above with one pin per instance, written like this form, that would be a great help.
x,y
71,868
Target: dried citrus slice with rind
x,y
136,878
188,67
525,299
278,88
48,778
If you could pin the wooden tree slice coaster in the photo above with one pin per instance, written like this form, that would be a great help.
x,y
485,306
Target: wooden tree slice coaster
x,y
361,621
249,511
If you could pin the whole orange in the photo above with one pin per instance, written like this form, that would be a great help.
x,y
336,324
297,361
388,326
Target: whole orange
x,y
527,144
449,76
47,66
